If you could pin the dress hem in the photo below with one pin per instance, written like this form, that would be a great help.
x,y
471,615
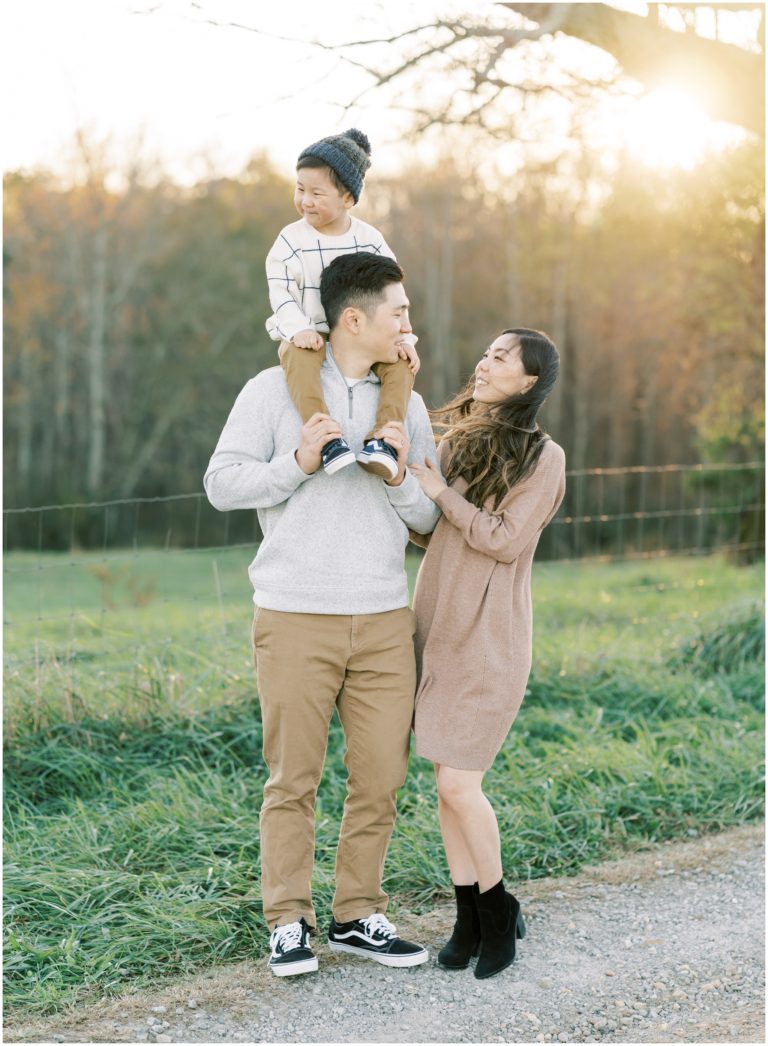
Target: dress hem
x,y
451,761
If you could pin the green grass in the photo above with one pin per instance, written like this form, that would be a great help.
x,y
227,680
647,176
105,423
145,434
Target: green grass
x,y
134,769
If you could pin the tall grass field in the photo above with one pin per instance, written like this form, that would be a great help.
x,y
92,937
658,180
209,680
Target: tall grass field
x,y
133,766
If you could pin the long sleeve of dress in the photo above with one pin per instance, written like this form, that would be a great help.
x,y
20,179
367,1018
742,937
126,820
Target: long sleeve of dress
x,y
443,454
504,533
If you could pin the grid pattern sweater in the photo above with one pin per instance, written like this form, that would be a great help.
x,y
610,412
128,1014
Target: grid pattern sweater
x,y
294,267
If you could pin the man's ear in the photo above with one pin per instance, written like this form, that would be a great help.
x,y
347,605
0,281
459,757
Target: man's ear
x,y
350,319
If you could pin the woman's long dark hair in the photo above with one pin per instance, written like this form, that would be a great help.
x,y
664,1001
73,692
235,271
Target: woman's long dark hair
x,y
494,447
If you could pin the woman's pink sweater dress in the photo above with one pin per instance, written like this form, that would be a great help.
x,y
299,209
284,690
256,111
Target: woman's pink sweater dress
x,y
473,615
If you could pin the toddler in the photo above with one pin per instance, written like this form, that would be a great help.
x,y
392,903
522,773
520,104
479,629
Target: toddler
x,y
329,180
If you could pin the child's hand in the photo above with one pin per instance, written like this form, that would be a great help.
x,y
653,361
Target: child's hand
x,y
430,480
406,351
308,340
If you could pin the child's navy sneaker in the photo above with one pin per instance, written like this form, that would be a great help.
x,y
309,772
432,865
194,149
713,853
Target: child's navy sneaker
x,y
379,458
336,455
375,938
290,951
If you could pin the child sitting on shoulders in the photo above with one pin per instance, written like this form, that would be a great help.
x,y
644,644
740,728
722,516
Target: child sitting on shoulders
x,y
329,181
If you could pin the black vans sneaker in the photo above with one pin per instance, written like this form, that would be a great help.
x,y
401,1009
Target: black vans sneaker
x,y
336,455
375,938
379,458
291,953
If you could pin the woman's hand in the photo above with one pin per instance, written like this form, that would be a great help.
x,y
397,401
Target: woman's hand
x,y
430,480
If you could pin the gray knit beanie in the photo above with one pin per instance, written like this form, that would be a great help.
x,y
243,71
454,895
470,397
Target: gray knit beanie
x,y
347,154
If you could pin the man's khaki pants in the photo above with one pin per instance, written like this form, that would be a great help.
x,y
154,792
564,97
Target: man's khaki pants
x,y
307,665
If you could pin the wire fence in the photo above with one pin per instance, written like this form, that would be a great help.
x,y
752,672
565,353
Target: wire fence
x,y
648,511
97,590
608,513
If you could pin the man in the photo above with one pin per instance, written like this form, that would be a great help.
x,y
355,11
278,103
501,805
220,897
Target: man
x,y
332,626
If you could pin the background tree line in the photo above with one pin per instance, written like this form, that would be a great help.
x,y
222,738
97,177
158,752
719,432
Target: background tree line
x,y
134,314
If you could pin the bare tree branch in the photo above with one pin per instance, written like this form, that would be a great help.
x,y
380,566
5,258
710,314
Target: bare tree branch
x,y
386,39
385,78
728,78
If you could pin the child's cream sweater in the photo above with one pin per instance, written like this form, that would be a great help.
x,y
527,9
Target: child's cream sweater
x,y
294,266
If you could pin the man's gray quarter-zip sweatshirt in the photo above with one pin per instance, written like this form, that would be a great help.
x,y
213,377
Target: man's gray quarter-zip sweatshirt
x,y
332,544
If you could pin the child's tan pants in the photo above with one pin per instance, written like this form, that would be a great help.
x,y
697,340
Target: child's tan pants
x,y
307,665
302,373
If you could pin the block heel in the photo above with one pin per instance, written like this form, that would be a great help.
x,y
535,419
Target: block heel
x,y
520,926
501,926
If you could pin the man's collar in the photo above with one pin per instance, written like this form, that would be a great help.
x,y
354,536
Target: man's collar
x,y
330,363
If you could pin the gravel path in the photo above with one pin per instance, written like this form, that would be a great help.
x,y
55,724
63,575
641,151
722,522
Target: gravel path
x,y
662,946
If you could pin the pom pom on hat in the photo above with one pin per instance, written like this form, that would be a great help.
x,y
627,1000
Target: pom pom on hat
x,y
360,138
348,154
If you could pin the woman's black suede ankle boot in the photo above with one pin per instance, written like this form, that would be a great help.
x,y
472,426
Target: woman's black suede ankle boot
x,y
465,939
501,924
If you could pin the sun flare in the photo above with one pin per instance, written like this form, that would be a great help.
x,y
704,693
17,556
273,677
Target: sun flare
x,y
669,129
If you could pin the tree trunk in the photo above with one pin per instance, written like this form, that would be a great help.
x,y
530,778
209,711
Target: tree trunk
x,y
579,397
24,413
649,401
728,79
134,471
553,408
95,359
62,353
439,306
514,267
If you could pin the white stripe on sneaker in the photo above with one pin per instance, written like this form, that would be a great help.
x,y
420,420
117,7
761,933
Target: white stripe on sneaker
x,y
363,937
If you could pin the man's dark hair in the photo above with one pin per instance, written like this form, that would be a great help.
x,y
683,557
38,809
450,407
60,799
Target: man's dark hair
x,y
356,280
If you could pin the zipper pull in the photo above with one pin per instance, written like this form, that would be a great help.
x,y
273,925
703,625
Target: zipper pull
x,y
349,397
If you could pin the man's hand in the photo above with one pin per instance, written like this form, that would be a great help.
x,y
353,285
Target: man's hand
x,y
395,435
406,351
430,480
318,431
309,340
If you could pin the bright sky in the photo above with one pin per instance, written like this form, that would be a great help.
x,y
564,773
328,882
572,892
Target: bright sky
x,y
190,86
120,68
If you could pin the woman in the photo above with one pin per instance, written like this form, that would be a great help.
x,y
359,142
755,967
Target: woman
x,y
504,481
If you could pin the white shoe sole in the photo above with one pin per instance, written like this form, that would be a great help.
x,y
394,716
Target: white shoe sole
x,y
304,966
339,463
380,464
386,960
